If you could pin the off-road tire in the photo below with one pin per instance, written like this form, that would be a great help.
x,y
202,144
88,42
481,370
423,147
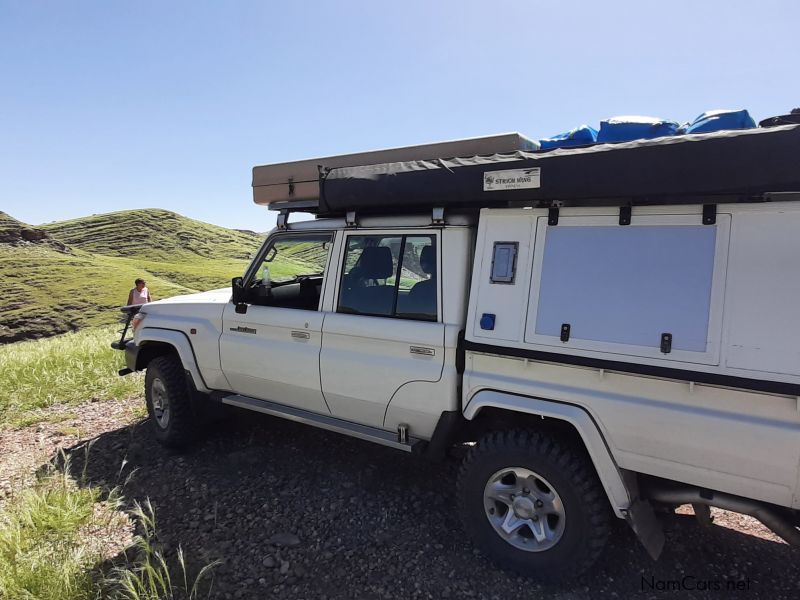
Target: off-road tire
x,y
572,476
181,427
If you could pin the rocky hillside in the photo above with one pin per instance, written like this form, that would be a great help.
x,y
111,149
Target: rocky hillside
x,y
64,276
17,233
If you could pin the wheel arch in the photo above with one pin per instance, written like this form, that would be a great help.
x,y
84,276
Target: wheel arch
x,y
572,420
149,350
153,342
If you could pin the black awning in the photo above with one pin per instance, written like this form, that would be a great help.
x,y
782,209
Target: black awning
x,y
714,167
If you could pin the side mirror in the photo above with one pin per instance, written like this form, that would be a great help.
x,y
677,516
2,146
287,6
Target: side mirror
x,y
238,292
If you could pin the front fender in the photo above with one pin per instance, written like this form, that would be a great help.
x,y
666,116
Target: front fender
x,y
607,470
180,342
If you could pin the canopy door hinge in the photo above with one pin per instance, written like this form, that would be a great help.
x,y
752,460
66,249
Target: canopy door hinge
x,y
709,214
624,215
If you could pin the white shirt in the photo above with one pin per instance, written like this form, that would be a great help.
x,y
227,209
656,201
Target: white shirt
x,y
140,297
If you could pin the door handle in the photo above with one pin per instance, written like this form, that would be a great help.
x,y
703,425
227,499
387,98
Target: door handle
x,y
301,335
422,351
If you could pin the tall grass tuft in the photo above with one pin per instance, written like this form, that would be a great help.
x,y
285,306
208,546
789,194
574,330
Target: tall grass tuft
x,y
69,368
47,549
43,555
150,577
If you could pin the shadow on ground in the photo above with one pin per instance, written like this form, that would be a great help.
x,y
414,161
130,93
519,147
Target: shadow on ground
x,y
371,522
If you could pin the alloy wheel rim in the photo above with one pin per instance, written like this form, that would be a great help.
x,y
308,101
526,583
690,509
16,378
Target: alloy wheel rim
x,y
524,509
160,401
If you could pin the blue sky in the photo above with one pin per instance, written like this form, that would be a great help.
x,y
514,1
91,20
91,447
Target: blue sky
x,y
112,105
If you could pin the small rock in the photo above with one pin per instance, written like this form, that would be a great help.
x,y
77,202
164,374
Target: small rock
x,y
284,539
269,562
284,567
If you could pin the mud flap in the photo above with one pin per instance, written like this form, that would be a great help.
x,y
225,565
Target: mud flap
x,y
647,527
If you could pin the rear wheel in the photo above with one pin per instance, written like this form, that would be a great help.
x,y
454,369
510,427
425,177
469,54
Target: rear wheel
x,y
533,505
169,403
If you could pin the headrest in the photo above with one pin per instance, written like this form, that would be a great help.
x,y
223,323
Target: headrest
x,y
375,262
427,259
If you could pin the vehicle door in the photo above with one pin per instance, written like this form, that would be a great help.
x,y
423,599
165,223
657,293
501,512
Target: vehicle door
x,y
385,329
270,344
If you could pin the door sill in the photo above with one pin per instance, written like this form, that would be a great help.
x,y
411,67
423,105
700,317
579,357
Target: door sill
x,y
362,432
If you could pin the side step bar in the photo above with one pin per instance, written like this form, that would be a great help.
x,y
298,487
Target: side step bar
x,y
363,432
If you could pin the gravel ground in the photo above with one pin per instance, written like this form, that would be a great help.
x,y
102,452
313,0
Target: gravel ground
x,y
296,512
23,451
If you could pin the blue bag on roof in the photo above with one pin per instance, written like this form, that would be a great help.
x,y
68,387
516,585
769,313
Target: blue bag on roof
x,y
625,129
717,120
580,136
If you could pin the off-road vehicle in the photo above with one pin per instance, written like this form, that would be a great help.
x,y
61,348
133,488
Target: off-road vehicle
x,y
609,329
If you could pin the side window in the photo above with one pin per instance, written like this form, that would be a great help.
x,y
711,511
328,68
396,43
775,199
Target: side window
x,y
291,272
626,285
390,276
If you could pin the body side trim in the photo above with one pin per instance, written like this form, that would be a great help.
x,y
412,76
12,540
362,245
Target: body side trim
x,y
758,385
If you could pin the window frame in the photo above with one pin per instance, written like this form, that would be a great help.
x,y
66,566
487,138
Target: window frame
x,y
403,234
711,356
252,270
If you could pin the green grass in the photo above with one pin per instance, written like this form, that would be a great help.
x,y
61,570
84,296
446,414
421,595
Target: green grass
x,y
47,550
70,368
43,555
49,290
150,577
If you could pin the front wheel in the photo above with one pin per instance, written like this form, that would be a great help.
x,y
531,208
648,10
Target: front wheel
x,y
169,403
533,505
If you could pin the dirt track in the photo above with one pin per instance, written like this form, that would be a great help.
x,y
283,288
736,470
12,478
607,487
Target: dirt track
x,y
296,512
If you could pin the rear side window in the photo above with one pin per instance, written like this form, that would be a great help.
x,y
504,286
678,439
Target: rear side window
x,y
390,276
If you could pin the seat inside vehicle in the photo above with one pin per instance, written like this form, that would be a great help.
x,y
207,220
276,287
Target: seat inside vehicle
x,y
420,301
366,290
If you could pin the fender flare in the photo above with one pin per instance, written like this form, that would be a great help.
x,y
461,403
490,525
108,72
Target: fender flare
x,y
182,345
607,470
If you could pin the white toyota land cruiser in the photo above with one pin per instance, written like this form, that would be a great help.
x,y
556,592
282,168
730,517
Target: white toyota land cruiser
x,y
609,329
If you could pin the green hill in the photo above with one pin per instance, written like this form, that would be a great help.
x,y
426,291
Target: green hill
x,y
64,276
153,234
